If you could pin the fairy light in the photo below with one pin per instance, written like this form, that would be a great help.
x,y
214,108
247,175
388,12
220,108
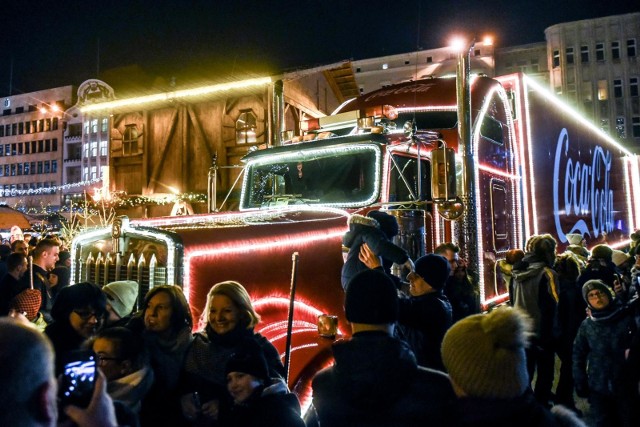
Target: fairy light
x,y
48,190
309,153
179,94
489,97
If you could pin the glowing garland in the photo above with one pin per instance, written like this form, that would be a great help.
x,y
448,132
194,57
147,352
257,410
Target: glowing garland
x,y
48,190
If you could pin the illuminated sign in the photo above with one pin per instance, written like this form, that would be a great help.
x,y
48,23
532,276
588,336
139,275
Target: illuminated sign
x,y
586,190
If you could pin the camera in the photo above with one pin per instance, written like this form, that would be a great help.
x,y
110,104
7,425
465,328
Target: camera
x,y
78,379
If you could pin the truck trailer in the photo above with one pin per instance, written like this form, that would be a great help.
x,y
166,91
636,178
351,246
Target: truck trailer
x,y
529,165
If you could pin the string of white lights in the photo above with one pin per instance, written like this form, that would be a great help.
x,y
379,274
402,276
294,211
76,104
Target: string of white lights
x,y
48,190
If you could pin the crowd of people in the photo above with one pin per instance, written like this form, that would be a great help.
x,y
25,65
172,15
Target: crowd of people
x,y
420,351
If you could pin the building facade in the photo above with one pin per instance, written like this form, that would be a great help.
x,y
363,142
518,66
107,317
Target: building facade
x,y
594,64
86,144
31,149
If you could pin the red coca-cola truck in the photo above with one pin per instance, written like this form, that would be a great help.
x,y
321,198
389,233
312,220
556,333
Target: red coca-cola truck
x,y
526,164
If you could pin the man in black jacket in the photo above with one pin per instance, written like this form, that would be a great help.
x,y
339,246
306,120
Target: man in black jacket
x,y
375,380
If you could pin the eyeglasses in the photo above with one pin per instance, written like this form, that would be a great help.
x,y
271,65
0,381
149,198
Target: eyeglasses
x,y
86,315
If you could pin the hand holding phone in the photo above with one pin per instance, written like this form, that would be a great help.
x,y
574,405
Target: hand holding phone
x,y
78,379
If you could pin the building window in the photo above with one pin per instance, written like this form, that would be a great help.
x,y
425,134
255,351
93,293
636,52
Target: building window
x,y
105,124
429,59
85,173
20,128
26,168
615,50
20,148
19,168
47,168
86,127
631,48
569,55
584,54
103,148
85,149
602,90
40,146
130,140
39,167
94,148
246,126
358,69
54,144
556,58
635,124
47,145
47,125
94,172
94,126
620,129
534,65
33,168
604,125
54,123
27,127
54,166
14,149
617,88
633,86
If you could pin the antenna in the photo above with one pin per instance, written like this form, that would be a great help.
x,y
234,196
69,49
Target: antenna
x,y
98,59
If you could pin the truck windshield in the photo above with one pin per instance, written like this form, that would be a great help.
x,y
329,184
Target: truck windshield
x,y
341,176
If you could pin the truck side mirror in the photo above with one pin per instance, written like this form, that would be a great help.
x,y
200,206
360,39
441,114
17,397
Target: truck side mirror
x,y
443,174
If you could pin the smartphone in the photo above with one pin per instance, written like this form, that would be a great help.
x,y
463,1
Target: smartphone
x,y
78,379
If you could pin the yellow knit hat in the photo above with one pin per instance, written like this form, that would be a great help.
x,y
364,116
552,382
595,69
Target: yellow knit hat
x,y
484,354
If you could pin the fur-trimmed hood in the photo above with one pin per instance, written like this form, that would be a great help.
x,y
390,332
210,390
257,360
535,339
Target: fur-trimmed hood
x,y
362,220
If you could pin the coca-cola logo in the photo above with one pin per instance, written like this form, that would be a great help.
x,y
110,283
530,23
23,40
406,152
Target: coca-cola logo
x,y
588,198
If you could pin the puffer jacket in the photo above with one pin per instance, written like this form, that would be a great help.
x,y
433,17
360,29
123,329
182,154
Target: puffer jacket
x,y
599,351
363,230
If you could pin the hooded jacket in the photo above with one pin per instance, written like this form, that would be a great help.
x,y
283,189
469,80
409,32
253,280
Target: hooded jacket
x,y
375,381
534,289
363,230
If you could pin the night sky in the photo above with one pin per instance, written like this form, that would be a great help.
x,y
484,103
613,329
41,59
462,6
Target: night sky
x,y
58,43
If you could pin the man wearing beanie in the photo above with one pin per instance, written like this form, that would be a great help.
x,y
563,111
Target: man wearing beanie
x,y
121,298
425,316
599,353
485,357
375,380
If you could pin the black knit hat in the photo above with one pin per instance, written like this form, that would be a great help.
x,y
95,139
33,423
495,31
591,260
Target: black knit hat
x,y
434,269
371,298
249,360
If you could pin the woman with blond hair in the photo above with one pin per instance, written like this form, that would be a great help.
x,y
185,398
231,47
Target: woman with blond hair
x,y
227,321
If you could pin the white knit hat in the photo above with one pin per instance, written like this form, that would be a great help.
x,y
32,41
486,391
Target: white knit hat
x,y
121,296
619,257
574,238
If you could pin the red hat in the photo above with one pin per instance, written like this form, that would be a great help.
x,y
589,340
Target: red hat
x,y
27,302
